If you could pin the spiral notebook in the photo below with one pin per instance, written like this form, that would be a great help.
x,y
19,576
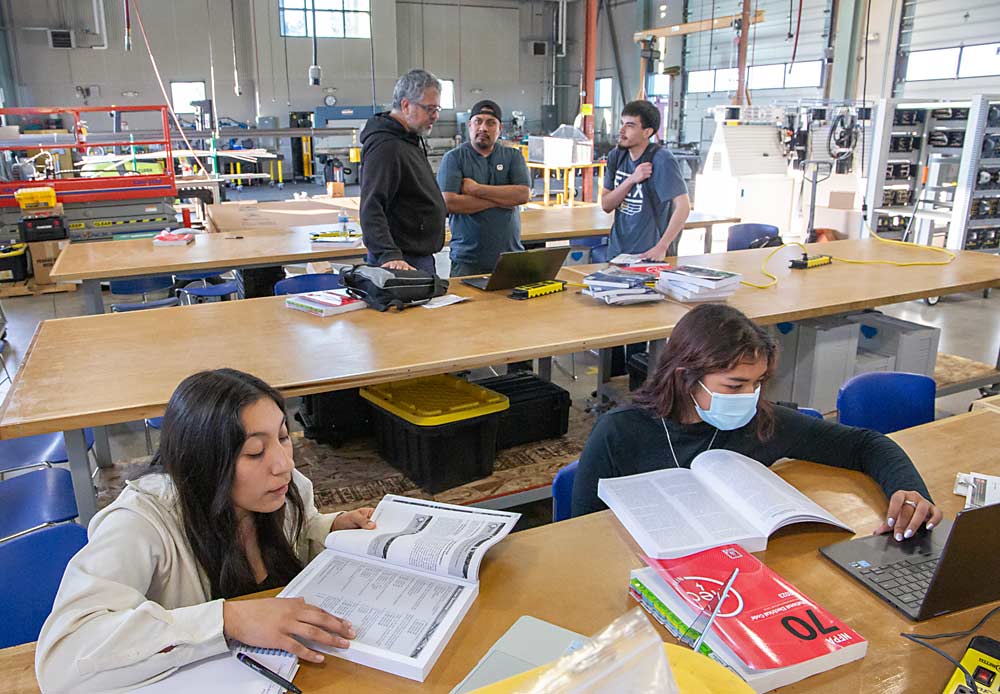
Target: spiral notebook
x,y
222,673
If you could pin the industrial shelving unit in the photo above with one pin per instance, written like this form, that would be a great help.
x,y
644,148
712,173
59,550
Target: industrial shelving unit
x,y
975,218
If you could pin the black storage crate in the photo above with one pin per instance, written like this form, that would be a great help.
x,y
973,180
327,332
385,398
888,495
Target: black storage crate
x,y
335,417
538,409
13,263
438,457
638,369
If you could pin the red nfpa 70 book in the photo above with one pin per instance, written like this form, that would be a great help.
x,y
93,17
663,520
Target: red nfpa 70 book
x,y
765,620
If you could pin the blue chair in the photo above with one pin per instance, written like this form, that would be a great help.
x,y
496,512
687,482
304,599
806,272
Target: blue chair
x,y
3,363
33,569
811,412
193,292
34,500
143,286
887,401
308,283
742,235
151,423
562,492
40,450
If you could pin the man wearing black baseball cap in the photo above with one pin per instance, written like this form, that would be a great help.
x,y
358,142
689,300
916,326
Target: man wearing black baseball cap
x,y
483,184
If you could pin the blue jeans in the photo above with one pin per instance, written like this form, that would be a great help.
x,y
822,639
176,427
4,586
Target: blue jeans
x,y
421,262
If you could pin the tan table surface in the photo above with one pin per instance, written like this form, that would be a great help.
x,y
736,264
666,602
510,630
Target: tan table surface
x,y
108,369
111,368
575,574
840,287
558,223
243,216
102,260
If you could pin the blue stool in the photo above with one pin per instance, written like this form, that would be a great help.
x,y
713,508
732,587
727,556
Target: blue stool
x,y
193,292
151,423
308,283
33,569
742,235
562,492
811,412
887,401
143,286
34,500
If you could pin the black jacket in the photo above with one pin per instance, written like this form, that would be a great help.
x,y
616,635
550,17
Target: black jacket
x,y
402,209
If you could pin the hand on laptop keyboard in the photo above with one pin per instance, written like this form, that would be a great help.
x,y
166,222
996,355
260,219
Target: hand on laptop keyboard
x,y
907,511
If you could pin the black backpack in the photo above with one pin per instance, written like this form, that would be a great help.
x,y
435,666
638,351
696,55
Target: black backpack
x,y
382,288
617,155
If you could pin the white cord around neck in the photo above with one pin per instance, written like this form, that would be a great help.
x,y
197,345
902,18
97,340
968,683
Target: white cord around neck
x,y
670,443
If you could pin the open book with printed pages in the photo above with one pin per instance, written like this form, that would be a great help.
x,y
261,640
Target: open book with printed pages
x,y
407,584
766,631
724,498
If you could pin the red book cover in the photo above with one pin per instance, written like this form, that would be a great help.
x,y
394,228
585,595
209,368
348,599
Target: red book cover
x,y
653,270
764,620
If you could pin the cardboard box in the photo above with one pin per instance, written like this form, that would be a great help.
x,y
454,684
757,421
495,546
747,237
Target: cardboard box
x,y
842,199
335,189
43,257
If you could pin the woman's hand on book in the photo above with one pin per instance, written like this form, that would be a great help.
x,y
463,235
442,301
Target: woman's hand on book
x,y
908,510
358,518
278,622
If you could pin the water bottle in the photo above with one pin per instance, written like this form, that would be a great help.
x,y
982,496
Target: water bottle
x,y
343,220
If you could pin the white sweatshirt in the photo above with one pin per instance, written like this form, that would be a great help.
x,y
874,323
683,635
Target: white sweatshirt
x,y
136,589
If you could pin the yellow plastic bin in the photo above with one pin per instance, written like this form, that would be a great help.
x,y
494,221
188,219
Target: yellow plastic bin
x,y
440,431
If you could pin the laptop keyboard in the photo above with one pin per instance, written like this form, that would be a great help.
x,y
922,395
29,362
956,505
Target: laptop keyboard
x,y
906,581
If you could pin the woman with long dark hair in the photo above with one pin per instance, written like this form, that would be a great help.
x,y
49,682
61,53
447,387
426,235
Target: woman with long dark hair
x,y
704,393
220,513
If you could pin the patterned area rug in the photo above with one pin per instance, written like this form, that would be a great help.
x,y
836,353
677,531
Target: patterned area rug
x,y
356,475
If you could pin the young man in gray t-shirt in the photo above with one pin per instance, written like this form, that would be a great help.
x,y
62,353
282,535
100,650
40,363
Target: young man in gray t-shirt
x,y
640,225
483,183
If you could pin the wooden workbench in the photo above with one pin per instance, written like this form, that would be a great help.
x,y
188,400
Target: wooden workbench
x,y
142,356
575,574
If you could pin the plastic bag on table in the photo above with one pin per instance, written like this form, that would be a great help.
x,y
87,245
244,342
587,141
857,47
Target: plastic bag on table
x,y
626,656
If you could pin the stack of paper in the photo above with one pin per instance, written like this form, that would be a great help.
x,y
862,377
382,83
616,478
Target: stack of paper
x,y
694,283
616,286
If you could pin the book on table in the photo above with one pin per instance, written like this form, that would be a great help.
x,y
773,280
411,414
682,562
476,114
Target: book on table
x,y
766,630
702,276
328,302
167,238
617,278
224,674
407,584
723,498
621,296
691,293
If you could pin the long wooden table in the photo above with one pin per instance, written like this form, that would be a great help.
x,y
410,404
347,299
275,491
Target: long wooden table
x,y
100,370
96,262
575,574
537,225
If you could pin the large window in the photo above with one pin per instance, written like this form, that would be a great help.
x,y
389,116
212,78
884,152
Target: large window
x,y
659,85
183,93
602,93
334,18
777,76
982,60
447,94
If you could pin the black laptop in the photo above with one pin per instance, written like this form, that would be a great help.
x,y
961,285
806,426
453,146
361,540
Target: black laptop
x,y
521,267
950,568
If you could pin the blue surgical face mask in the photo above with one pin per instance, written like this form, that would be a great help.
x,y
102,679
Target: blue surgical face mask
x,y
728,412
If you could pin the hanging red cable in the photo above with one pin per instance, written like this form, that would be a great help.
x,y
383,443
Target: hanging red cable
x,y
795,45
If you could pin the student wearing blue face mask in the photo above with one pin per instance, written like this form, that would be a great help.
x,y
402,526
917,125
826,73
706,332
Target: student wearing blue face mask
x,y
705,394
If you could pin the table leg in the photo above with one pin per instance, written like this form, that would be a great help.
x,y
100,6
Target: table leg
x,y
569,183
79,468
600,182
545,368
603,374
102,447
655,347
545,186
92,300
708,238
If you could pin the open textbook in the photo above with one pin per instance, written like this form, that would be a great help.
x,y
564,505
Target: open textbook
x,y
724,498
406,585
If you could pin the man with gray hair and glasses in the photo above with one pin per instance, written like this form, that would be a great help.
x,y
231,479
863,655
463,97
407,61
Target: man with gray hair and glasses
x,y
402,210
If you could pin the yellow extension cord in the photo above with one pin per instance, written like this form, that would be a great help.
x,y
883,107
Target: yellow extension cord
x,y
853,261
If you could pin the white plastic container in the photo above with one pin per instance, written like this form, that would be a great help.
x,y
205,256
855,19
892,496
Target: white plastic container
x,y
913,345
827,353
